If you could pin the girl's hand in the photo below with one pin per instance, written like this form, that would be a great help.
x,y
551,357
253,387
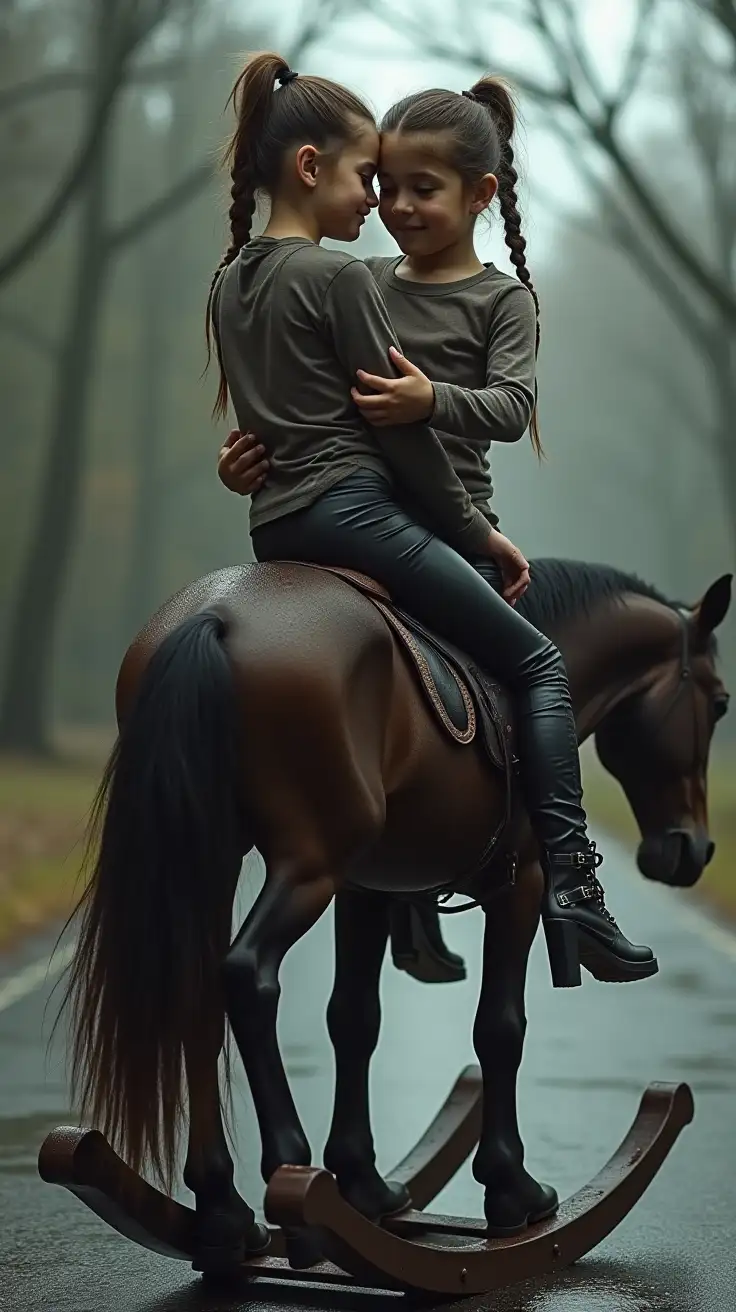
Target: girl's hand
x,y
514,567
405,400
240,464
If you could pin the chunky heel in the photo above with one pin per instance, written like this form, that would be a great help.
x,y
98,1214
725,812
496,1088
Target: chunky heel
x,y
563,952
579,928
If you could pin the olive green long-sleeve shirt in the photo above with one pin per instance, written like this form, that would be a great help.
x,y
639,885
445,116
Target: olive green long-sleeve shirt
x,y
295,322
475,339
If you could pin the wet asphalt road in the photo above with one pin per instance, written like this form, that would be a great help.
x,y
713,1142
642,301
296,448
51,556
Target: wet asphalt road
x,y
590,1053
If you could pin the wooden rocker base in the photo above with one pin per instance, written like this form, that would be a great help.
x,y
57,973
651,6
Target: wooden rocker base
x,y
417,1251
83,1162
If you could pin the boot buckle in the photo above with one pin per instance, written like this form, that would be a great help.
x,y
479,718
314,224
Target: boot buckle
x,y
578,860
576,895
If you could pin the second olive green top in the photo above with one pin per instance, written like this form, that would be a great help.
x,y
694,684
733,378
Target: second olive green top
x,y
295,322
476,340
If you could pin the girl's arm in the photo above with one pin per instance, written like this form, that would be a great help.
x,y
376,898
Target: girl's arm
x,y
502,410
498,412
361,331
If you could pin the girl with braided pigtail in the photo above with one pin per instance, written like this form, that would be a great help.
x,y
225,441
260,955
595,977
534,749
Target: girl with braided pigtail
x,y
242,209
355,475
495,95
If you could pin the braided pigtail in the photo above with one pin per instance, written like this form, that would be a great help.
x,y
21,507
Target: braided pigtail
x,y
495,95
276,109
252,99
242,209
508,202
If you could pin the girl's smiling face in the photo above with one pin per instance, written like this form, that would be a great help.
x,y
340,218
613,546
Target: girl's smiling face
x,y
423,202
343,193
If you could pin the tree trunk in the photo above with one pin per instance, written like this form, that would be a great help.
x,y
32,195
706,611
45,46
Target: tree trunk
x,y
726,451
723,359
25,712
162,272
142,590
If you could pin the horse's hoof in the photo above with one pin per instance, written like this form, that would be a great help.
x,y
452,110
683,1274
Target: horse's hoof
x,y
396,1198
375,1198
224,1254
302,1250
508,1214
218,1262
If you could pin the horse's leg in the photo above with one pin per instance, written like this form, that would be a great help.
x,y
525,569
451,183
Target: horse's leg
x,y
513,1198
353,1020
226,1229
291,901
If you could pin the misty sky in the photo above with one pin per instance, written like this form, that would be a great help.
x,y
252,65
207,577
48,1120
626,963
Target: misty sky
x,y
383,66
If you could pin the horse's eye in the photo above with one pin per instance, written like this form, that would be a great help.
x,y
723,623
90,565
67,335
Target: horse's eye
x,y
720,705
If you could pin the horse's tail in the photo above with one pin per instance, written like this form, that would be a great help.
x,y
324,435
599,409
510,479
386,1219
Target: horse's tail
x,y
145,983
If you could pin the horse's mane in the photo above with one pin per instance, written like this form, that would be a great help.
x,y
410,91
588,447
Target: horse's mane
x,y
562,589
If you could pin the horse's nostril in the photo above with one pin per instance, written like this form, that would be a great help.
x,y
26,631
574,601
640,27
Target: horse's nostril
x,y
710,852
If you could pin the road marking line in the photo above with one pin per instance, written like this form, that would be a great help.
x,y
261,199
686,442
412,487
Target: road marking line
x,y
33,976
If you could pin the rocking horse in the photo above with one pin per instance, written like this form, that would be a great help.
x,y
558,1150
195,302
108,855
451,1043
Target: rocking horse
x,y
296,710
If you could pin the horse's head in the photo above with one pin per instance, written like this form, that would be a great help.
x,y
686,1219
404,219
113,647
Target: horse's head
x,y
656,743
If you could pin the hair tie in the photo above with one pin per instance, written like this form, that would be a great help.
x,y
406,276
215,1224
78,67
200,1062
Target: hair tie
x,y
470,95
286,76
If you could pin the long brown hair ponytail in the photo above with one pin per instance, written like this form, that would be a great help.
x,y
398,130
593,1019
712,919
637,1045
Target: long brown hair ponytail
x,y
275,108
251,99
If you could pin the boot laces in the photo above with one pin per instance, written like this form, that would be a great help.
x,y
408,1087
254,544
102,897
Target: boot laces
x,y
596,885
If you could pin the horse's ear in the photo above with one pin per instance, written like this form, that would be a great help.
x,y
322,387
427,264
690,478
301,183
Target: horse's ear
x,y
713,608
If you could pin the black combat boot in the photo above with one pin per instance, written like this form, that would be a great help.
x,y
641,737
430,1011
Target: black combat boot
x,y
579,928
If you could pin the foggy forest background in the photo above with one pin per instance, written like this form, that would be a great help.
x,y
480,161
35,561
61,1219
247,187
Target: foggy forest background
x,y
112,220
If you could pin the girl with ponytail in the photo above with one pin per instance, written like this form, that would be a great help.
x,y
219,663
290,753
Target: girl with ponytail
x,y
309,355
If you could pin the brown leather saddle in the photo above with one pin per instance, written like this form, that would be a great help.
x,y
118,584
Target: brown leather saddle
x,y
469,706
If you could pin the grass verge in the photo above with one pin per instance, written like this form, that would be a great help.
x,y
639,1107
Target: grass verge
x,y
43,812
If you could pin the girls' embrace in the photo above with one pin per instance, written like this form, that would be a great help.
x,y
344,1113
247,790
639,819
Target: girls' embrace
x,y
371,460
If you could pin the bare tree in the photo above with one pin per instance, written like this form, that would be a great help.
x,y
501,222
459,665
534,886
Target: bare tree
x,y
707,102
137,20
24,713
724,12
708,96
160,269
576,95
693,270
25,705
128,24
74,79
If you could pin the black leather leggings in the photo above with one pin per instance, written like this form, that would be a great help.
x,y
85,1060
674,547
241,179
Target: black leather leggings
x,y
358,524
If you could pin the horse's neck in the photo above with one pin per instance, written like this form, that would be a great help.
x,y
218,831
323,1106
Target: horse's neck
x,y
613,653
